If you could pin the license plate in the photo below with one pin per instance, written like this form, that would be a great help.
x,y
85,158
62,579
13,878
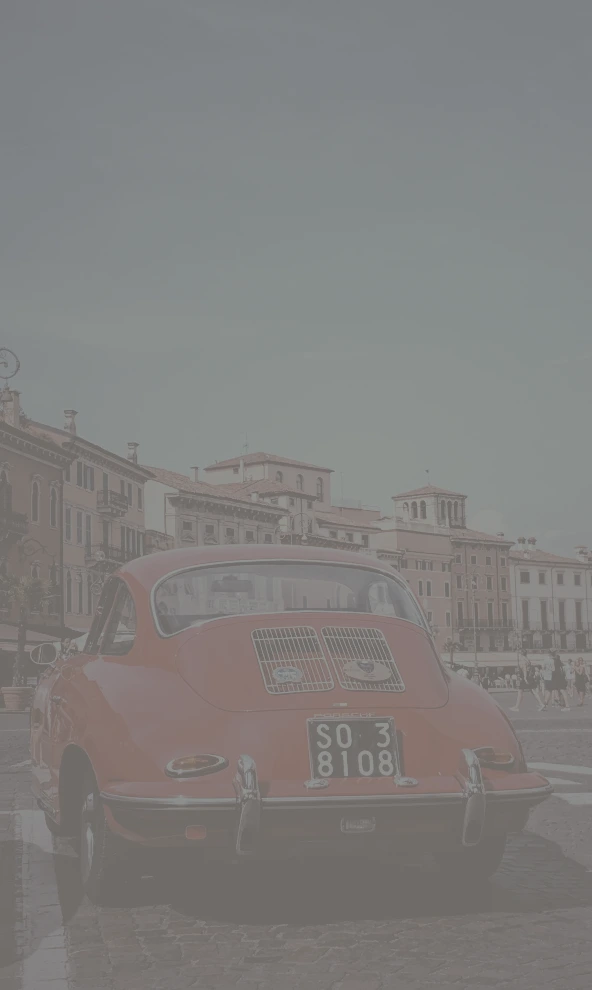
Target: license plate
x,y
353,826
357,747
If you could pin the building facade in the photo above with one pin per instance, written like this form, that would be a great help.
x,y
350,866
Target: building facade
x,y
461,577
103,516
31,518
299,476
183,512
552,598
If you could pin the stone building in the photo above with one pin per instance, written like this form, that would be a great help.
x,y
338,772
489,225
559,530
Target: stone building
x,y
31,518
308,479
552,598
460,576
182,512
103,516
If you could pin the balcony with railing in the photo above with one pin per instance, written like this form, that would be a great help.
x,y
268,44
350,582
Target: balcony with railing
x,y
103,553
14,524
111,503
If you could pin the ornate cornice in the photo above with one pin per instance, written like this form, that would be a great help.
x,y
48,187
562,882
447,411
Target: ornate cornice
x,y
241,510
28,443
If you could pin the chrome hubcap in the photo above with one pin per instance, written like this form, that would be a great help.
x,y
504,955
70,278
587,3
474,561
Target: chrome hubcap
x,y
87,838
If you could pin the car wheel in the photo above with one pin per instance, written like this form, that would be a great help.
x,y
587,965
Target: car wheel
x,y
473,864
102,854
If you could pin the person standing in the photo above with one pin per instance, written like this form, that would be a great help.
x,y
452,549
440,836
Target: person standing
x,y
581,680
527,681
558,684
547,686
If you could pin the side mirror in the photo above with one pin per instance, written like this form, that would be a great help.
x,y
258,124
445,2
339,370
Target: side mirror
x,y
44,655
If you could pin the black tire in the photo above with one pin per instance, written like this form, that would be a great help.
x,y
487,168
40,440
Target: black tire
x,y
472,865
102,854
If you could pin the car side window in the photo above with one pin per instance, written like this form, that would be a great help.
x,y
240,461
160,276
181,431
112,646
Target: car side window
x,y
120,631
101,615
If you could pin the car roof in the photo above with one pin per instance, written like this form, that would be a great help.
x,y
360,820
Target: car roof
x,y
149,569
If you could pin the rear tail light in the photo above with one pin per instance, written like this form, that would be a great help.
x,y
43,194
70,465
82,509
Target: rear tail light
x,y
195,766
495,759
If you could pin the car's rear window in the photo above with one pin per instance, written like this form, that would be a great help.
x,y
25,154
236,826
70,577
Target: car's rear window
x,y
192,596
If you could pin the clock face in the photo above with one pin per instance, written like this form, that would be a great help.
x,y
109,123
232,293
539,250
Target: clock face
x,y
9,363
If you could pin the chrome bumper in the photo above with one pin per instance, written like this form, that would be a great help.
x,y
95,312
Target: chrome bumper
x,y
248,806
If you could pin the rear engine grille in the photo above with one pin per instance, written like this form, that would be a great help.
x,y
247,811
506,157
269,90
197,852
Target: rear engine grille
x,y
368,646
291,660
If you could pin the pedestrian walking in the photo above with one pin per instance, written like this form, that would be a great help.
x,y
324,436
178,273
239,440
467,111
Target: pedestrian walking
x,y
527,681
581,680
558,685
547,681
571,678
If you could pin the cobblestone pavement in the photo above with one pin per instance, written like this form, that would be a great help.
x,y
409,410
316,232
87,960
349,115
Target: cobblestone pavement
x,y
319,927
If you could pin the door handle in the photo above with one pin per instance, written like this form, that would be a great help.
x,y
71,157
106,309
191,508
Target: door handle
x,y
57,699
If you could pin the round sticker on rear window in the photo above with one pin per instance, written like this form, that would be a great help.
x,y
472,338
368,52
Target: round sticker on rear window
x,y
287,675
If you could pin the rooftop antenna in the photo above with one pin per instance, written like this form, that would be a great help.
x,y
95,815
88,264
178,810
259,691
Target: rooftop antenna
x,y
341,487
427,471
246,444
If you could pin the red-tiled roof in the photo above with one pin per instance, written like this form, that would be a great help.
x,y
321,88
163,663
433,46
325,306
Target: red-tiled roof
x,y
343,522
262,458
266,487
429,490
184,484
474,534
534,556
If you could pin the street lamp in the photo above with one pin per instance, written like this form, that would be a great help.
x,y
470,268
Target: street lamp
x,y
474,585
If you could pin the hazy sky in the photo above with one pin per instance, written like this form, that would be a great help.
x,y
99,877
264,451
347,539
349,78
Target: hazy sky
x,y
357,230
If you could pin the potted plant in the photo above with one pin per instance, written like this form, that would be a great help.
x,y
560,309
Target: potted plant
x,y
25,595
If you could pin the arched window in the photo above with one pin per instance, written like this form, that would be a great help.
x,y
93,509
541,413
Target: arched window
x,y
279,476
299,483
414,510
455,511
35,491
68,592
35,572
53,507
442,510
450,511
320,488
5,494
422,510
405,506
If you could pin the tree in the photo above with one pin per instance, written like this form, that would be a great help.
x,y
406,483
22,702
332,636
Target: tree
x,y
26,594
450,646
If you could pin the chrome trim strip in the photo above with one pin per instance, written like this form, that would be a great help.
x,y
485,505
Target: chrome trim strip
x,y
524,794
179,803
334,801
527,795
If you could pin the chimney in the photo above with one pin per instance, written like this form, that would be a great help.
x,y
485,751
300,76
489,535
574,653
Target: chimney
x,y
70,422
195,470
532,541
521,540
241,469
132,452
501,534
11,406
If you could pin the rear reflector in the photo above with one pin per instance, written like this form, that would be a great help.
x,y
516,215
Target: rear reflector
x,y
196,832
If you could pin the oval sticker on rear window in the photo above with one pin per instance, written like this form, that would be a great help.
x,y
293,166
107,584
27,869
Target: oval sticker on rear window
x,y
287,675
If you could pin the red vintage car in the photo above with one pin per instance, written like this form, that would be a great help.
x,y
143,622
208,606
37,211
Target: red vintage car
x,y
271,701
